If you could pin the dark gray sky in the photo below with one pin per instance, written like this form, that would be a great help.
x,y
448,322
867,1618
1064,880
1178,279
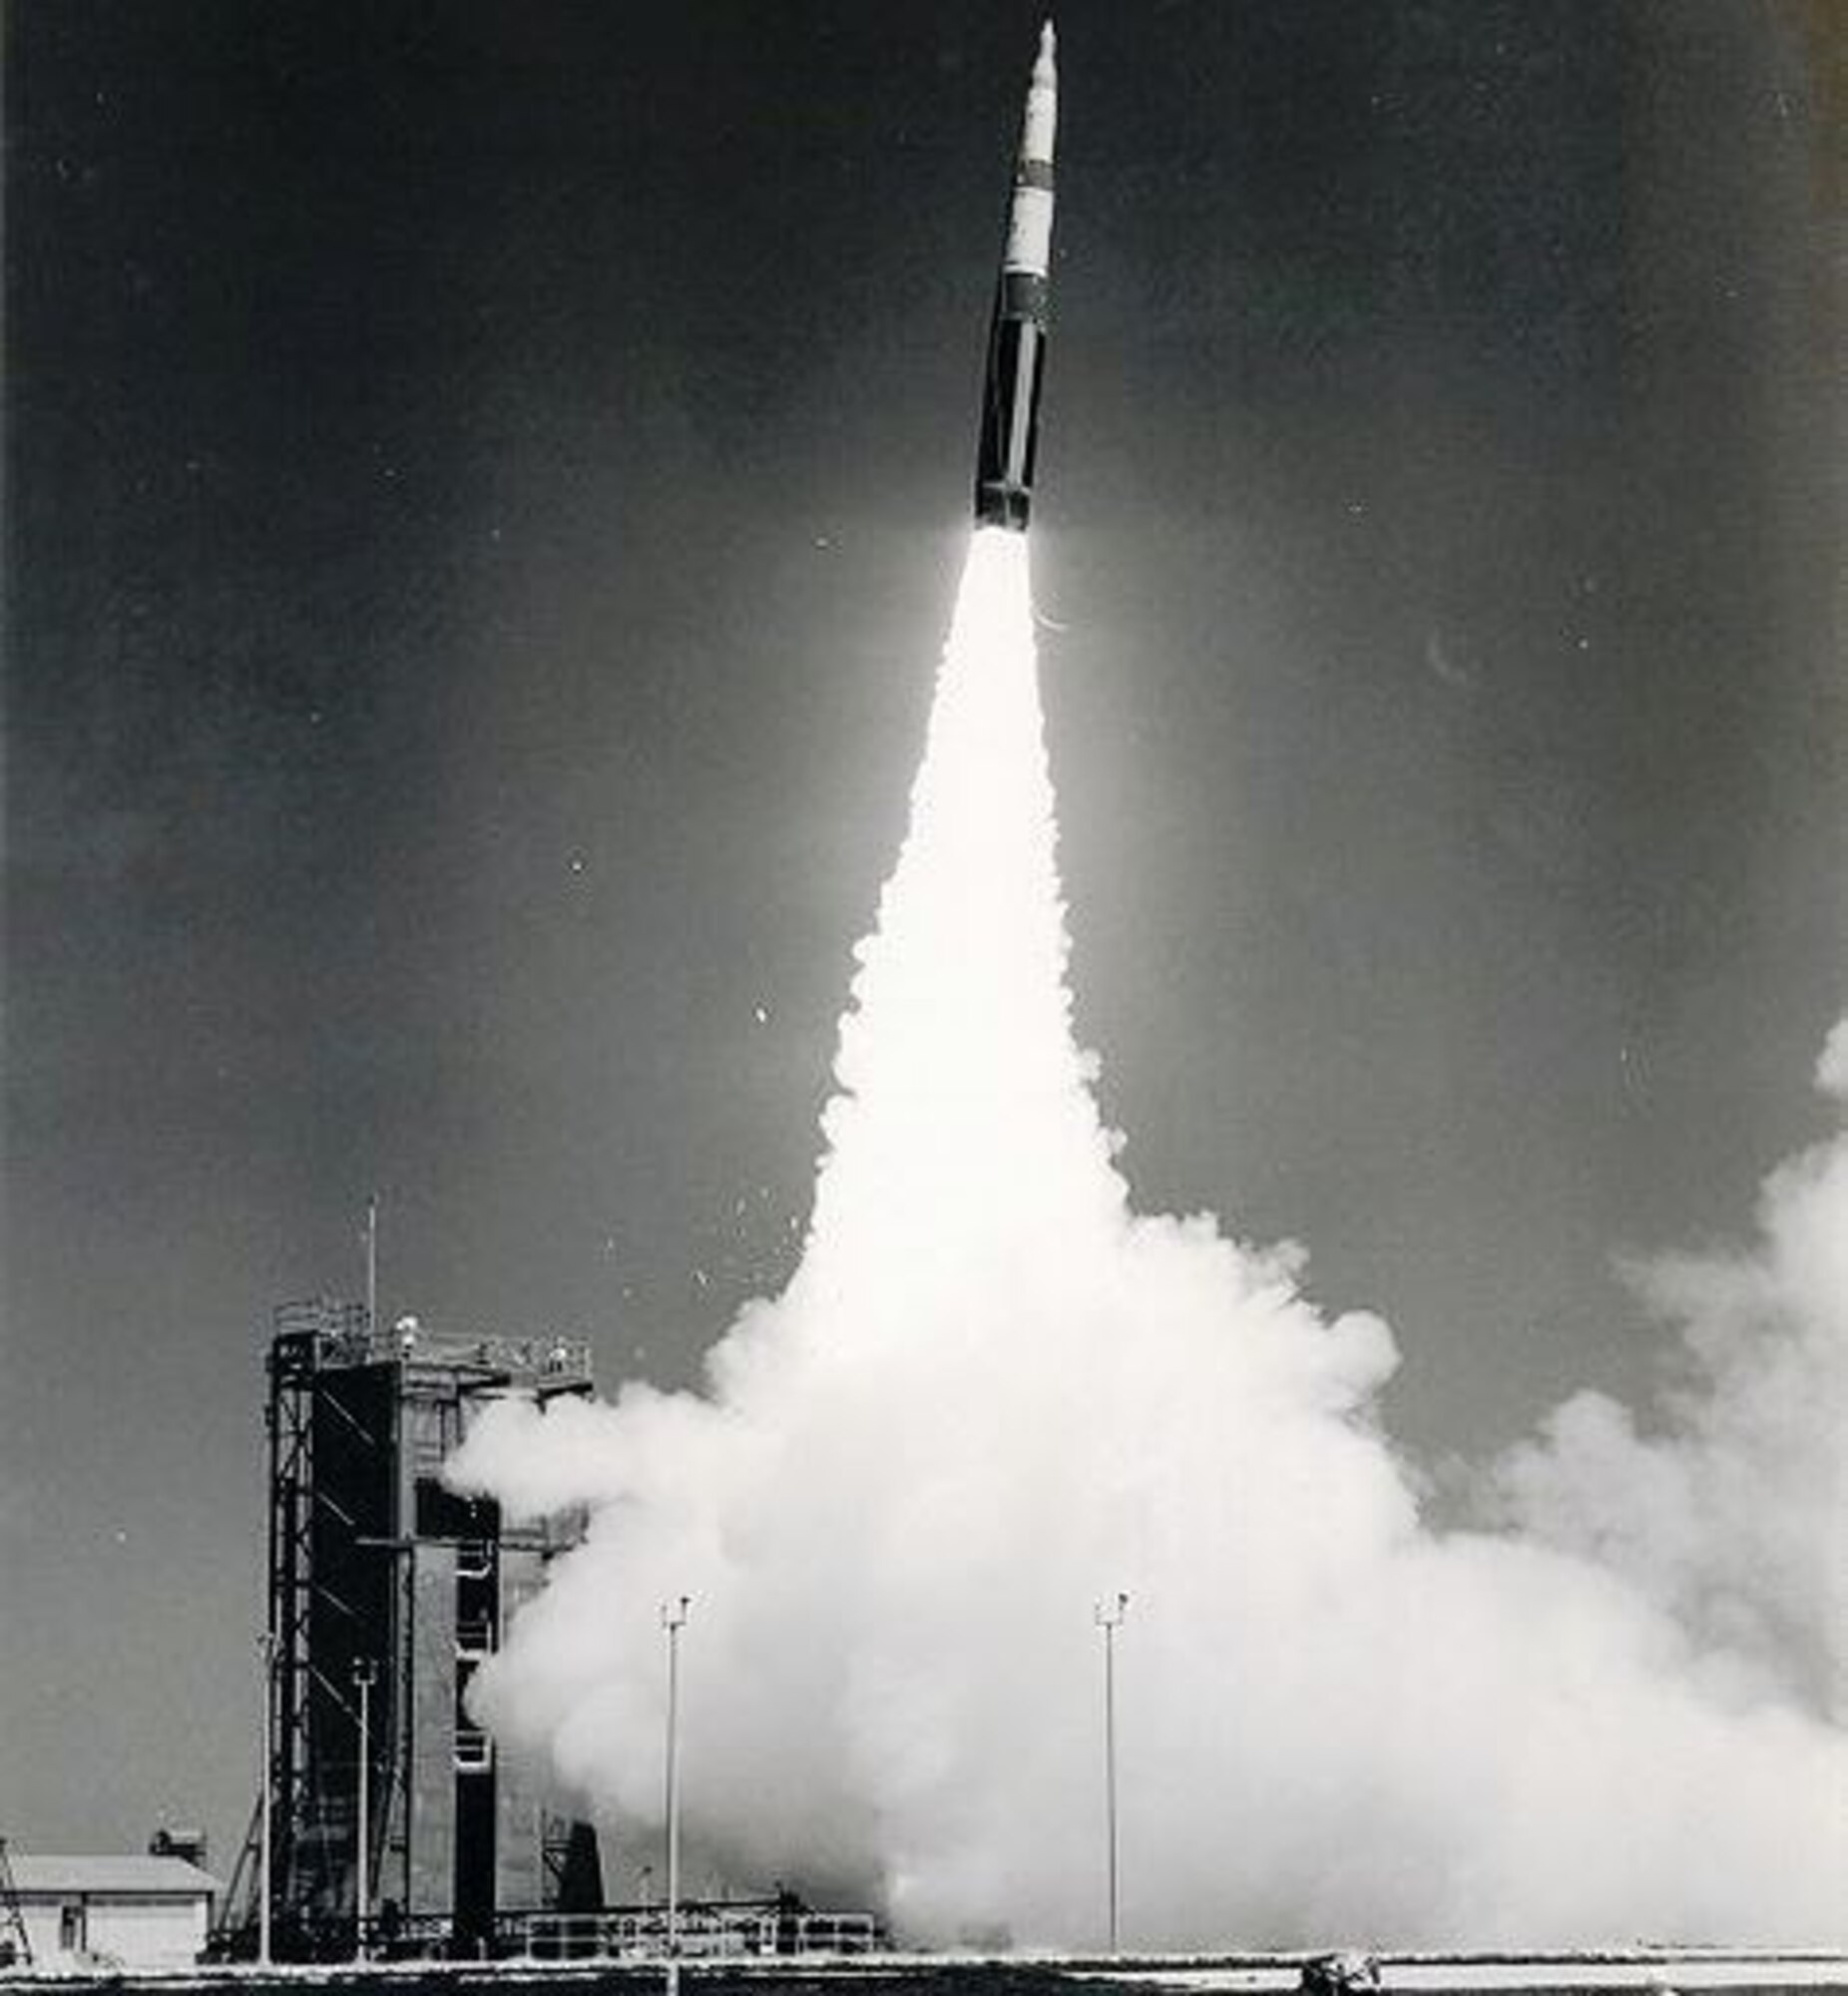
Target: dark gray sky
x,y
485,487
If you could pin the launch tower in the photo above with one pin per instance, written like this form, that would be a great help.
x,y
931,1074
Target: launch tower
x,y
386,1590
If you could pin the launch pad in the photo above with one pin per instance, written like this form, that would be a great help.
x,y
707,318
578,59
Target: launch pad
x,y
1646,1971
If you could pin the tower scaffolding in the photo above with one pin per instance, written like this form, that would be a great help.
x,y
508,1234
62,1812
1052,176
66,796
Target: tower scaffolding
x,y
15,1940
374,1564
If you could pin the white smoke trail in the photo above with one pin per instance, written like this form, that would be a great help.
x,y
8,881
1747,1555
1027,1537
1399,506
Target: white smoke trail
x,y
992,1395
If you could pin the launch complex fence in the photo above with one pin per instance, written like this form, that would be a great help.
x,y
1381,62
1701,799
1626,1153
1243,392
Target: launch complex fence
x,y
707,1933
703,1930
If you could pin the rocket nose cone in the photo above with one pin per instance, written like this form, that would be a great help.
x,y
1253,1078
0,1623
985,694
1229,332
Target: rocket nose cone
x,y
1044,67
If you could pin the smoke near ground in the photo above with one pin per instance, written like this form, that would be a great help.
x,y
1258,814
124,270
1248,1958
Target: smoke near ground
x,y
993,1394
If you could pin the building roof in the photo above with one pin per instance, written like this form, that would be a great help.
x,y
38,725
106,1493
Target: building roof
x,y
172,1877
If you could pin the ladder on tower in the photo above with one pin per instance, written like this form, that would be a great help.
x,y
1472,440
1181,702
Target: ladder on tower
x,y
15,1941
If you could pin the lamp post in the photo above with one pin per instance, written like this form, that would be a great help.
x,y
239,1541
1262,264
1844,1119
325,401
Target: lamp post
x,y
674,1619
267,1650
365,1675
1108,1617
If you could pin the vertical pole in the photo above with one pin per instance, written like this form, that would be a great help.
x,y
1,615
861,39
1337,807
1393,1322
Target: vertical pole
x,y
266,1649
674,1619
1110,1620
405,1718
364,1671
371,1263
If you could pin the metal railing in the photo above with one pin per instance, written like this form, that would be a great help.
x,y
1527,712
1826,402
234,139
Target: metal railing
x,y
702,1932
343,1336
474,1751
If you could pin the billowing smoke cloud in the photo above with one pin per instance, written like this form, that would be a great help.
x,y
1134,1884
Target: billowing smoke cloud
x,y
993,1394
1732,1515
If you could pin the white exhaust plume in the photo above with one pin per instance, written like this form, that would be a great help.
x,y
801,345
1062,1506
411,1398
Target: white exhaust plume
x,y
992,1395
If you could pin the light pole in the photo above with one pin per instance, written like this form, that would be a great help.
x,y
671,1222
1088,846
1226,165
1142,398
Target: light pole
x,y
267,1650
674,1619
1108,1617
365,1675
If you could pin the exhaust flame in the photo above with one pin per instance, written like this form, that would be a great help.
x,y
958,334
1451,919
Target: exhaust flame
x,y
992,1395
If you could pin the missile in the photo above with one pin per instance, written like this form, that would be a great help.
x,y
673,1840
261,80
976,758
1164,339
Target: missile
x,y
1016,334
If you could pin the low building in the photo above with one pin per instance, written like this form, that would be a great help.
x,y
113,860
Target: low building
x,y
127,1912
